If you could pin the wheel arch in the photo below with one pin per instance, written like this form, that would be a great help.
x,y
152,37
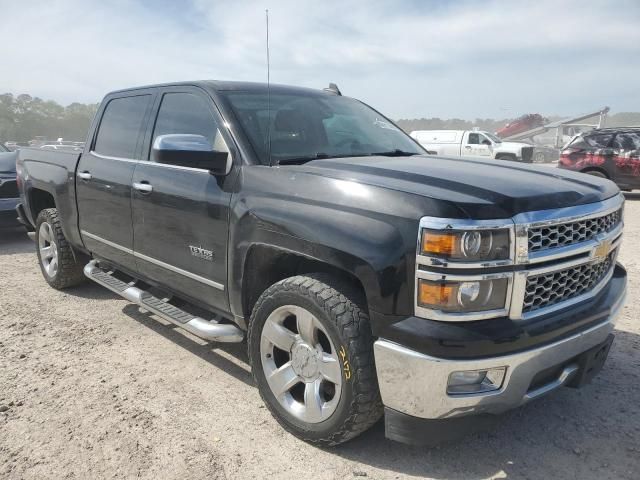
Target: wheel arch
x,y
267,264
596,169
39,200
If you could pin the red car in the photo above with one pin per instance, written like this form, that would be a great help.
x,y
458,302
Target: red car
x,y
612,153
522,124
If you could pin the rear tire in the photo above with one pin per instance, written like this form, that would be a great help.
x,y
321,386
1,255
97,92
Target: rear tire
x,y
55,256
311,354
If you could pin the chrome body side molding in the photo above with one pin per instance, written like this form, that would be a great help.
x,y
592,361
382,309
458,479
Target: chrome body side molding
x,y
173,268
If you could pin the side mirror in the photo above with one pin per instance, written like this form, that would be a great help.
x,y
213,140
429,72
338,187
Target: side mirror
x,y
486,142
187,150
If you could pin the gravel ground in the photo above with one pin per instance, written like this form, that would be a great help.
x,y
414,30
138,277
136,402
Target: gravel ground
x,y
92,388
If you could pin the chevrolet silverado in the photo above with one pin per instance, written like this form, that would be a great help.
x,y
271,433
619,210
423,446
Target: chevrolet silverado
x,y
367,278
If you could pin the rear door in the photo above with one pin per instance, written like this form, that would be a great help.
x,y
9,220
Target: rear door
x,y
103,177
626,151
181,216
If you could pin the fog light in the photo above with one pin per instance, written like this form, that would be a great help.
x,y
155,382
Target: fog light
x,y
476,381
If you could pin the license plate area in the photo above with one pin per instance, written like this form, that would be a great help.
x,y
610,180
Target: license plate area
x,y
590,363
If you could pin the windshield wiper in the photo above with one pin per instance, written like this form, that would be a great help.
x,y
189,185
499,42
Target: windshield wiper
x,y
301,160
323,156
394,153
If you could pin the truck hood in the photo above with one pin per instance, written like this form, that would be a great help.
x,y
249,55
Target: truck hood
x,y
8,163
479,189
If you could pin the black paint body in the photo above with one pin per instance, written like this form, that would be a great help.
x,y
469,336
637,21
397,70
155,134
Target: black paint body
x,y
356,215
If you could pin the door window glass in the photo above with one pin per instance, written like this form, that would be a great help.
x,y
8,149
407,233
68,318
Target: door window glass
x,y
484,140
474,139
599,140
627,141
185,113
120,127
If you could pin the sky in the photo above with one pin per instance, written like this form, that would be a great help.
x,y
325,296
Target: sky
x,y
409,59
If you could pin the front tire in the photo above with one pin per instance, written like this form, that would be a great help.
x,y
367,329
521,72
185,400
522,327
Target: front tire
x,y
507,156
311,354
596,173
55,256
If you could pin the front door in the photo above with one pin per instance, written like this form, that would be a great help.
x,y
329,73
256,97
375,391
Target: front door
x,y
181,214
476,145
103,178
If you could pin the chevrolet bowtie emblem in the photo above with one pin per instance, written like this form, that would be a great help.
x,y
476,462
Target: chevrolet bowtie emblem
x,y
602,250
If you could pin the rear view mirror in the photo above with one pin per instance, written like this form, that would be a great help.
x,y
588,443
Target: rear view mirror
x,y
187,150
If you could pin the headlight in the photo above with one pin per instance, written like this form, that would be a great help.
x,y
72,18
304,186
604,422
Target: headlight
x,y
463,296
466,246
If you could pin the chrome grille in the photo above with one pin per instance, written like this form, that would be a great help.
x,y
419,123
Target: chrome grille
x,y
527,154
554,287
563,234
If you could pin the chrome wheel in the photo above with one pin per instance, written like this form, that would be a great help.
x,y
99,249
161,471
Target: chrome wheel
x,y
48,249
301,364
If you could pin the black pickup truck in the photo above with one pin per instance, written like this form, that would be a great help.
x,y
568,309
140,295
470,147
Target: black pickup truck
x,y
367,277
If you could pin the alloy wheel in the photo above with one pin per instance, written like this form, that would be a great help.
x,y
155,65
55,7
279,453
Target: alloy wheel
x,y
48,249
301,364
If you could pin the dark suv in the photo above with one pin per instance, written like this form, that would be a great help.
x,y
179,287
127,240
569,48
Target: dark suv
x,y
9,196
612,153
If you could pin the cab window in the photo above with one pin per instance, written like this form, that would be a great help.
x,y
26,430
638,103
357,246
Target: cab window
x,y
627,141
120,127
599,140
474,139
186,113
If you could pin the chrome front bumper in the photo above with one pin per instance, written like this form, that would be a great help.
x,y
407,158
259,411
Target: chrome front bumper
x,y
416,384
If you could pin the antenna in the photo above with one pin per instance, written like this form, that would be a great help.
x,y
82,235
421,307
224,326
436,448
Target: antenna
x,y
266,13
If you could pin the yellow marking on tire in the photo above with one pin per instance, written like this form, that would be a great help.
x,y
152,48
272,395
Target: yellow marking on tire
x,y
346,367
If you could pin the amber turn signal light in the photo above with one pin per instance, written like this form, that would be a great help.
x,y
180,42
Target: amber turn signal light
x,y
436,243
434,294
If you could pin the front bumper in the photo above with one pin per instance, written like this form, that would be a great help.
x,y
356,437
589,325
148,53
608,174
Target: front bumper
x,y
8,216
414,384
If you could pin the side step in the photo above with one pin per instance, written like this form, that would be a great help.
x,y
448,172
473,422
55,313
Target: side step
x,y
209,330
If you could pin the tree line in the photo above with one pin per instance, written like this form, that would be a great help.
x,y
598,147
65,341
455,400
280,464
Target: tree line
x,y
23,117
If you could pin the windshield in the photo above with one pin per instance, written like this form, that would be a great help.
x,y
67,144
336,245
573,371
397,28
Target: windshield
x,y
305,126
493,137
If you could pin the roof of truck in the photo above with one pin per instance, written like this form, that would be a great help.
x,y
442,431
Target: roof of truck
x,y
224,85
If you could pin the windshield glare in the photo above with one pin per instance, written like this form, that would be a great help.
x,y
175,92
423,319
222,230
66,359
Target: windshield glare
x,y
315,124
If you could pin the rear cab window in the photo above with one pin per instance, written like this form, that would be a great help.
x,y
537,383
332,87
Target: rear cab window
x,y
121,125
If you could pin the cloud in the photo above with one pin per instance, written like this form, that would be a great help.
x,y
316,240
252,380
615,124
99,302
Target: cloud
x,y
467,59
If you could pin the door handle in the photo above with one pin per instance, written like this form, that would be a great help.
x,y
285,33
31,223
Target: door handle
x,y
467,146
84,175
143,187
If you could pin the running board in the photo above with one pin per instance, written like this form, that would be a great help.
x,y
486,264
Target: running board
x,y
206,329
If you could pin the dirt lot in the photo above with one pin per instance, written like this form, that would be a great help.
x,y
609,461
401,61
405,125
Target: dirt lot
x,y
91,388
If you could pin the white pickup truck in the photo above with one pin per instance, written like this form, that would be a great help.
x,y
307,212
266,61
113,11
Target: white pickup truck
x,y
463,143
